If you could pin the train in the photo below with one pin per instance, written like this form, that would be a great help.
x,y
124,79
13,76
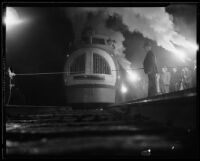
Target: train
x,y
92,72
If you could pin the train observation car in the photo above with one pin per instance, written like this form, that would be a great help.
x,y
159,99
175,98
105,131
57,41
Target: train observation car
x,y
91,72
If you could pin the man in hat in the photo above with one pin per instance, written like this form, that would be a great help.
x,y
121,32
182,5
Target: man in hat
x,y
150,68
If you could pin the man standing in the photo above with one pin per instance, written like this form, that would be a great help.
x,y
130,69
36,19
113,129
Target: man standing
x,y
165,80
150,68
187,78
175,81
194,78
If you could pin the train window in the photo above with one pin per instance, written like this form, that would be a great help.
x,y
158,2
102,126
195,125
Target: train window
x,y
78,65
100,65
98,41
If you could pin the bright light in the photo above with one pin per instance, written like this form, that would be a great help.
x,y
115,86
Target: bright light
x,y
181,56
11,17
133,76
124,88
191,46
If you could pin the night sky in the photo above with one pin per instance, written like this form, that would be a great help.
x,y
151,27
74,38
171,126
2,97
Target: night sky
x,y
41,45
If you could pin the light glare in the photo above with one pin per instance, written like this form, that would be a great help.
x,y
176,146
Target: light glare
x,y
133,76
11,17
124,89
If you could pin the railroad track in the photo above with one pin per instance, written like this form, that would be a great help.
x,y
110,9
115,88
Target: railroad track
x,y
86,134
111,132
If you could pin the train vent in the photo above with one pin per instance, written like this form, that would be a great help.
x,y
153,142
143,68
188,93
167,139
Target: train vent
x,y
78,65
100,65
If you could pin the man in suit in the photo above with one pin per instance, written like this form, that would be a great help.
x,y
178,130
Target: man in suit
x,y
150,68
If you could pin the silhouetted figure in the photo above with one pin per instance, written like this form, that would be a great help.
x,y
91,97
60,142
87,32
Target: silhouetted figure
x,y
194,81
150,68
165,80
175,82
11,83
186,78
14,95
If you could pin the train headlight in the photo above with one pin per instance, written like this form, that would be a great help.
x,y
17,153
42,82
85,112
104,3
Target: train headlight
x,y
124,88
133,76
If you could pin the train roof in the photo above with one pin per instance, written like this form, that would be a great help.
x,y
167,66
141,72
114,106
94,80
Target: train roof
x,y
95,40
101,36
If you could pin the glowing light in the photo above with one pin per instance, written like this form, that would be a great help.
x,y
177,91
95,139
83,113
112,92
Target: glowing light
x,y
11,18
124,89
133,76
190,46
183,52
194,47
181,56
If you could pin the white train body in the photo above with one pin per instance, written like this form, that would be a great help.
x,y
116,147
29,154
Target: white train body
x,y
91,72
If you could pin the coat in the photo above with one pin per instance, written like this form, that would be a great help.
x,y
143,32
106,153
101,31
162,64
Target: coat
x,y
150,65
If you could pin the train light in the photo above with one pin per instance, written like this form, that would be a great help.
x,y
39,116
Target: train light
x,y
124,89
133,76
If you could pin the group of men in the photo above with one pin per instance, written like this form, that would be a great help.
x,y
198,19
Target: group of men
x,y
166,81
177,79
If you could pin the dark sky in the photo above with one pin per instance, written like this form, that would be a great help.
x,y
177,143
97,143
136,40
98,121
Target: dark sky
x,y
41,45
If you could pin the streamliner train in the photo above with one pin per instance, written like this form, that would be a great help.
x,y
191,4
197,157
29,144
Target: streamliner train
x,y
91,71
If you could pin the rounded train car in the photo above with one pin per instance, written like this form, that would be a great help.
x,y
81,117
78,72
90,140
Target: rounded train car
x,y
91,72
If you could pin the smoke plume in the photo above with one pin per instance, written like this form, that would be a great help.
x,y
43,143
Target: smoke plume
x,y
153,22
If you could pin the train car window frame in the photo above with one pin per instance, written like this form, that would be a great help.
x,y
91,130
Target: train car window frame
x,y
100,41
100,65
78,65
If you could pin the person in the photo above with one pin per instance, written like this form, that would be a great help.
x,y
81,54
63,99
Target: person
x,y
11,83
194,83
150,68
187,78
15,95
11,74
175,81
164,80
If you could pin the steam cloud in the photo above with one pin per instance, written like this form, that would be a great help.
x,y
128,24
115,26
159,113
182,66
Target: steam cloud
x,y
153,22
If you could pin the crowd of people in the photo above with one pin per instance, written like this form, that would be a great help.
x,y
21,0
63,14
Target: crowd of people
x,y
169,79
175,79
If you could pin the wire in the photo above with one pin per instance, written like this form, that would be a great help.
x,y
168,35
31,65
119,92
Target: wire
x,y
54,73
10,105
57,73
41,73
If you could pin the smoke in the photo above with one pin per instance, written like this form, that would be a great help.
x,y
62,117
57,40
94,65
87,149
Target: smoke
x,y
153,22
156,24
184,18
97,18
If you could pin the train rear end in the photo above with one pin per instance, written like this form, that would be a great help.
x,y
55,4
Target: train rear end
x,y
91,74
